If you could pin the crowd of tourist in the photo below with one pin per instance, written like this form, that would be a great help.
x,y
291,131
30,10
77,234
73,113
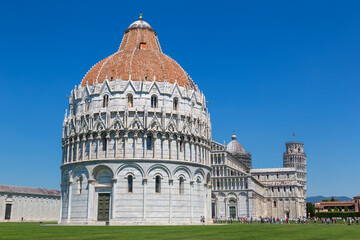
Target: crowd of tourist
x,y
273,220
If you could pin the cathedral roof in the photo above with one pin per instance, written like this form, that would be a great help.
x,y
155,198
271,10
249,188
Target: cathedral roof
x,y
139,58
234,147
29,190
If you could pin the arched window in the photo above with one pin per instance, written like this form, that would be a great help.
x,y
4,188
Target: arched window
x,y
181,146
158,184
175,104
130,100
274,203
154,101
104,142
149,143
80,180
181,185
130,184
105,101
87,104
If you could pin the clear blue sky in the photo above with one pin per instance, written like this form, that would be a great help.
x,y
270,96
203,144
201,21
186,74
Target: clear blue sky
x,y
270,67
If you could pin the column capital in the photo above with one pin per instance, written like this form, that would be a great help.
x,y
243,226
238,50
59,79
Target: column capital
x,y
92,181
117,136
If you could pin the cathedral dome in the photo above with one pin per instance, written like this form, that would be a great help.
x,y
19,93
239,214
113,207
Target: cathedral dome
x,y
234,147
139,58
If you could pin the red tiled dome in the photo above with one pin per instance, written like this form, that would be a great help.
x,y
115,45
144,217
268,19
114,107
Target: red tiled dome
x,y
139,56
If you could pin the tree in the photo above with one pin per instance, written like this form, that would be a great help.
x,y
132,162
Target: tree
x,y
336,209
333,199
329,209
346,209
310,209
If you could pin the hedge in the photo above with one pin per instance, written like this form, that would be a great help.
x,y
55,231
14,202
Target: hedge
x,y
337,214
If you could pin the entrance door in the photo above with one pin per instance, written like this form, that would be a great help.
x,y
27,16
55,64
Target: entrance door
x,y
232,210
213,209
7,211
103,206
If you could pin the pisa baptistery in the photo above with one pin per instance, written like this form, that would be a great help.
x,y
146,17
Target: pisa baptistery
x,y
136,140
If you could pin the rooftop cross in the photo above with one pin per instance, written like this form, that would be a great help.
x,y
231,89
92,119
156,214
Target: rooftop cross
x,y
140,16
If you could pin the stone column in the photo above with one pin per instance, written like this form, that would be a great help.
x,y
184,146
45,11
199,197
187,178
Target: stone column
x,y
191,150
209,201
91,140
171,182
61,203
83,147
170,140
283,215
77,141
69,204
184,142
226,208
163,138
98,138
144,198
125,143
135,141
67,150
107,145
278,207
113,198
191,201
297,208
195,152
201,157
72,149
154,152
117,137
91,196
178,147
144,144
238,206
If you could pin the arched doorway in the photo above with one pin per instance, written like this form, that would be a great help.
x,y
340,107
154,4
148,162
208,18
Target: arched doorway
x,y
213,206
232,208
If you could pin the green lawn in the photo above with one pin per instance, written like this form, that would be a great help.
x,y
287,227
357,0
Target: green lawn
x,y
234,231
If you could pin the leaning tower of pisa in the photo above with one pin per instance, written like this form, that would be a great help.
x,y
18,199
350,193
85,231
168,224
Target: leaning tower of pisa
x,y
296,158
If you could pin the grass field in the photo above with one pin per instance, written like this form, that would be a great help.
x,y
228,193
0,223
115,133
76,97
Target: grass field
x,y
233,231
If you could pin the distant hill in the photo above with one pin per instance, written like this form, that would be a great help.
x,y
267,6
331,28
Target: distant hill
x,y
320,198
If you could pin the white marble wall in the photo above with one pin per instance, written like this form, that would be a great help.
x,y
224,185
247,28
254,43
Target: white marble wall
x,y
30,207
143,205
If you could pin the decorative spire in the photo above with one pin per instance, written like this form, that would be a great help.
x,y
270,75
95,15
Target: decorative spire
x,y
140,16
